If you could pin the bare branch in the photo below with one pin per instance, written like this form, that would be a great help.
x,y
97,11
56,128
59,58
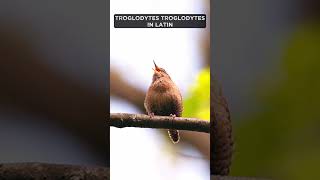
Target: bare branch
x,y
235,178
51,171
221,140
122,120
71,172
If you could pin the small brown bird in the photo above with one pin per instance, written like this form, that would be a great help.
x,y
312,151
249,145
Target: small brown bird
x,y
164,98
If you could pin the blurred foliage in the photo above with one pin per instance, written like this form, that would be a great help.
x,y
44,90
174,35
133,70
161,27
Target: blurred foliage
x,y
282,139
197,103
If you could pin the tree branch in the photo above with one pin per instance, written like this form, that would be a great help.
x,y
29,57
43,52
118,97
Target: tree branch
x,y
221,140
121,120
51,171
46,171
234,178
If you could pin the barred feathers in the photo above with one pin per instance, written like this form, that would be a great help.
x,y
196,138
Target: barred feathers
x,y
174,135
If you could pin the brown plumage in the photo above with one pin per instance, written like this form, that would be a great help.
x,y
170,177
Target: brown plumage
x,y
164,99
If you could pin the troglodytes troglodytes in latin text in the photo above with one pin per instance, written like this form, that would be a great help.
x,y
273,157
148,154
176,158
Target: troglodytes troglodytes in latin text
x,y
164,99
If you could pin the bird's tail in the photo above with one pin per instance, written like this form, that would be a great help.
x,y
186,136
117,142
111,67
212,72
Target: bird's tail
x,y
174,135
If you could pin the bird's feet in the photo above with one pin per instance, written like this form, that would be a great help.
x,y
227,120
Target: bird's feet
x,y
151,115
173,116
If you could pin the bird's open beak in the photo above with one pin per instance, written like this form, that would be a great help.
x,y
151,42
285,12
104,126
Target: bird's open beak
x,y
156,68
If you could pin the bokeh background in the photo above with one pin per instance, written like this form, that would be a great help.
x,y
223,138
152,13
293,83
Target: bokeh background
x,y
183,53
53,90
266,54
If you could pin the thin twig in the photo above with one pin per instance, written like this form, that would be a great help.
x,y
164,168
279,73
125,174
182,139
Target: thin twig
x,y
121,120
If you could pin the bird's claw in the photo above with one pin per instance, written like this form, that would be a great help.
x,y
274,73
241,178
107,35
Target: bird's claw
x,y
151,115
173,115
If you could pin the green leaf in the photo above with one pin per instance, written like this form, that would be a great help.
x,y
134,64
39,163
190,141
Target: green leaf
x,y
197,102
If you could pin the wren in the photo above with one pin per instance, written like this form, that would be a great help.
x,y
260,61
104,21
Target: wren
x,y
164,99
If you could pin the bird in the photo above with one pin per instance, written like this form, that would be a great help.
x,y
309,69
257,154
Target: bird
x,y
163,98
